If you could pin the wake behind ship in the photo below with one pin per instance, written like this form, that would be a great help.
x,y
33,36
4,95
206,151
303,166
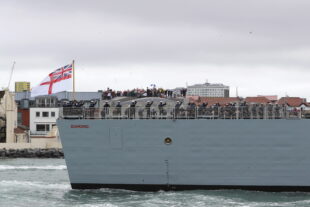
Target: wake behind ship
x,y
252,147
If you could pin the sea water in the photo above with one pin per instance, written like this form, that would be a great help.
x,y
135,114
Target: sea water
x,y
45,182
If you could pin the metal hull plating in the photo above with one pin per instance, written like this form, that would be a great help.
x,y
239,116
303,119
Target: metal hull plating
x,y
270,155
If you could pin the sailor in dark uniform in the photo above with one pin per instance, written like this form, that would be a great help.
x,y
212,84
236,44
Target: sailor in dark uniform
x,y
177,109
191,110
202,109
161,108
106,107
118,109
148,109
132,110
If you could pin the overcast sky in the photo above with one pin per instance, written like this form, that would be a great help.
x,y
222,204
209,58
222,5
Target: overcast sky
x,y
262,47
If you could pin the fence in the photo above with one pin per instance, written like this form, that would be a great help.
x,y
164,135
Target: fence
x,y
190,112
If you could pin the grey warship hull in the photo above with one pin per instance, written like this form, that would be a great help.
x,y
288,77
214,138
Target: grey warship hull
x,y
268,155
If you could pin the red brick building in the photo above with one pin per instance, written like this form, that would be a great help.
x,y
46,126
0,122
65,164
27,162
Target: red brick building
x,y
23,117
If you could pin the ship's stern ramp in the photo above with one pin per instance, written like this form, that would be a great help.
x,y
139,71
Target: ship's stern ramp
x,y
187,154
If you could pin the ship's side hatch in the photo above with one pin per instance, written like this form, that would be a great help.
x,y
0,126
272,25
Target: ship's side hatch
x,y
167,175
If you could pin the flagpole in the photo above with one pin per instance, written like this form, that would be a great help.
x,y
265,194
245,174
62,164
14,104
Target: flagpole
x,y
73,70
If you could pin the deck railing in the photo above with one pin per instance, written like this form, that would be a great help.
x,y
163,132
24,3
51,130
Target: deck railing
x,y
190,112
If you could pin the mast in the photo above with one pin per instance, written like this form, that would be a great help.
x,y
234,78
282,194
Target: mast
x,y
73,71
11,74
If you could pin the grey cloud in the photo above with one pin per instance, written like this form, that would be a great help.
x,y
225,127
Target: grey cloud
x,y
269,35
156,31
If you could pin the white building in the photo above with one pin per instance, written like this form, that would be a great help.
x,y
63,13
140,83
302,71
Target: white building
x,y
42,120
208,90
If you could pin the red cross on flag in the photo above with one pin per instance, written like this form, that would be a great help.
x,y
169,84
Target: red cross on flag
x,y
57,81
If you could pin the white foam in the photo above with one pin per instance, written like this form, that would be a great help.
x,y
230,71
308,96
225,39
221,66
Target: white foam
x,y
24,167
14,183
98,205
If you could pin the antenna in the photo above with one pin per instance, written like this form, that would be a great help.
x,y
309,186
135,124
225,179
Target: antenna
x,y
237,95
12,69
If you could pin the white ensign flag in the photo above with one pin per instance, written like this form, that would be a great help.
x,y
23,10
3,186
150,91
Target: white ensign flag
x,y
57,81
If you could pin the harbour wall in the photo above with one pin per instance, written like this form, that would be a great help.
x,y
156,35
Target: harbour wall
x,y
40,144
36,143
31,153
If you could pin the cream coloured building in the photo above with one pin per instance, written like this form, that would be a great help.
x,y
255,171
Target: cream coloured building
x,y
208,90
8,117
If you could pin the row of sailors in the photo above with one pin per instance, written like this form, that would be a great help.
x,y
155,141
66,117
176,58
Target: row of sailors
x,y
79,104
229,110
131,112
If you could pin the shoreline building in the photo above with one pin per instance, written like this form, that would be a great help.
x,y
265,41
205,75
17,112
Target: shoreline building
x,y
294,103
8,117
43,116
208,90
39,114
22,86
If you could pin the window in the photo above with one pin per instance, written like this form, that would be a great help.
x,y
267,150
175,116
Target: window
x,y
19,118
52,114
45,114
43,127
37,114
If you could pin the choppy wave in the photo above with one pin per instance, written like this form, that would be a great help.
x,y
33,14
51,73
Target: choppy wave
x,y
14,183
24,167
60,195
98,205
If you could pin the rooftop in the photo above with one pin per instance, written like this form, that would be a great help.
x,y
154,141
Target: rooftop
x,y
292,101
208,85
79,96
216,100
258,100
19,130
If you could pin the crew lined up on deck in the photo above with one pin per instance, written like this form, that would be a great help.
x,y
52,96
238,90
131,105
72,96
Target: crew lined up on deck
x,y
191,110
176,109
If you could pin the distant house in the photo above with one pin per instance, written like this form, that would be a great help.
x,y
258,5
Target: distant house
x,y
193,98
272,98
294,103
217,100
257,100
